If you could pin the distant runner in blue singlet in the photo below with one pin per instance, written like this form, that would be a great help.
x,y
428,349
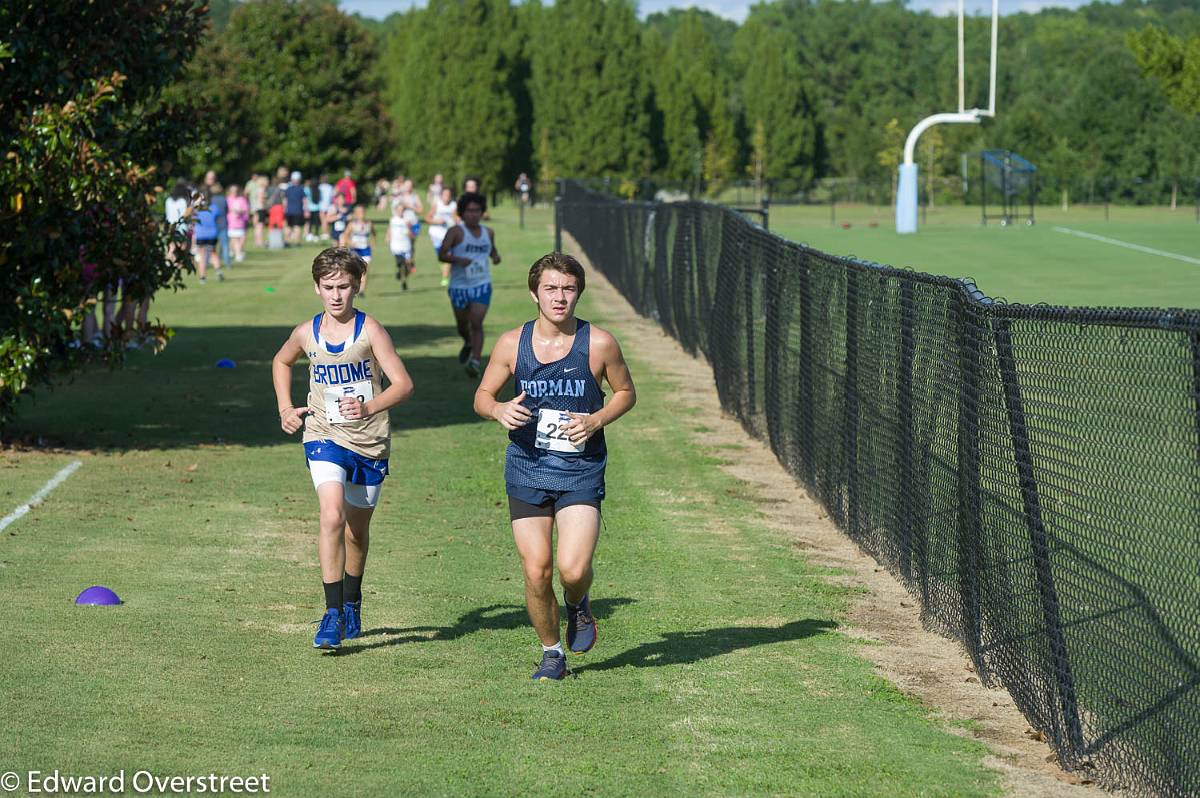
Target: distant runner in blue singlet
x,y
470,249
554,466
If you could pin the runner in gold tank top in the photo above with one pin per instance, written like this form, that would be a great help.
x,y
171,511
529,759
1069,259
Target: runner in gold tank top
x,y
346,434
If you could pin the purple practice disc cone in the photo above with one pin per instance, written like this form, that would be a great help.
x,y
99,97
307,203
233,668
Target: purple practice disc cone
x,y
98,595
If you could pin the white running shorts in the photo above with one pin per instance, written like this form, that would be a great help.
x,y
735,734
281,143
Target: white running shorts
x,y
362,496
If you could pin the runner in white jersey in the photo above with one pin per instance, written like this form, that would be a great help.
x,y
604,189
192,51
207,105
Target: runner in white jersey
x,y
443,214
358,236
347,438
400,242
470,249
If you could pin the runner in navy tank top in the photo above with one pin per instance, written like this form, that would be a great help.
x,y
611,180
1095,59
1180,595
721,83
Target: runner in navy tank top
x,y
532,466
554,466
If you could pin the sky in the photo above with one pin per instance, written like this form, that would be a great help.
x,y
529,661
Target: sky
x,y
737,9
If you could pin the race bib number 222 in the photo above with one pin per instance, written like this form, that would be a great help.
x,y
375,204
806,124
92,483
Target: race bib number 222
x,y
551,432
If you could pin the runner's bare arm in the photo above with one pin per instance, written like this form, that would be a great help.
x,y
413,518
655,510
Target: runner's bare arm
x,y
500,367
607,353
495,253
446,253
290,419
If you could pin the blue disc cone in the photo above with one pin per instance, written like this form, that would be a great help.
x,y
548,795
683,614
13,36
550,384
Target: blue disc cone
x,y
226,363
98,595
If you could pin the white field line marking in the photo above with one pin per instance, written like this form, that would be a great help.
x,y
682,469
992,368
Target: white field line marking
x,y
1127,245
36,498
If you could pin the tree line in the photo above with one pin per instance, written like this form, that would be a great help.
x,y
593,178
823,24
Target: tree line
x,y
803,89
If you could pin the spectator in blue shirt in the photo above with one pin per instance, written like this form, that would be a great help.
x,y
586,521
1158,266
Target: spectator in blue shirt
x,y
295,208
207,231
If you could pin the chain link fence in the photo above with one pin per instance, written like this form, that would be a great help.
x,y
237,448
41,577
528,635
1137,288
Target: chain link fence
x,y
1030,473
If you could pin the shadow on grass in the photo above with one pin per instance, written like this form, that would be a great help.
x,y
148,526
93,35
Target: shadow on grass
x,y
495,617
683,648
180,398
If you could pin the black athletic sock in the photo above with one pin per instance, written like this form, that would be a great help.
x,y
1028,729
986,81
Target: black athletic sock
x,y
352,588
333,595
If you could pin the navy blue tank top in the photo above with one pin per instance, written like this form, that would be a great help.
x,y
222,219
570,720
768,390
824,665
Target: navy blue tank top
x,y
566,385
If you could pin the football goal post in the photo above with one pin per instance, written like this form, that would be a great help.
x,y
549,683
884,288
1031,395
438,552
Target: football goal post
x,y
906,193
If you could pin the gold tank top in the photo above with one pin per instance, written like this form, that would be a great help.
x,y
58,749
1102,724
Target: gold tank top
x,y
346,369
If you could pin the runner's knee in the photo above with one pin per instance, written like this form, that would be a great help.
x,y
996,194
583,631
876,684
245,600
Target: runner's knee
x,y
357,534
332,518
539,575
574,573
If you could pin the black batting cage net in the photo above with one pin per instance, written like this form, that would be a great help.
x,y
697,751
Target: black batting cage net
x,y
1030,473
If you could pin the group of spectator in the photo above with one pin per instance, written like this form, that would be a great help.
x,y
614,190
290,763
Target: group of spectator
x,y
216,223
280,212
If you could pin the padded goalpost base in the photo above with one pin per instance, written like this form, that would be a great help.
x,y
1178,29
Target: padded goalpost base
x,y
906,199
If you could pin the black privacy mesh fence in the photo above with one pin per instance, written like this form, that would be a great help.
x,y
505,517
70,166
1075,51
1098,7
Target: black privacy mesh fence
x,y
1031,474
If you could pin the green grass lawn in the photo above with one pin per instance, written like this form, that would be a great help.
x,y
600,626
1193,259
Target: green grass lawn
x,y
722,667
1022,263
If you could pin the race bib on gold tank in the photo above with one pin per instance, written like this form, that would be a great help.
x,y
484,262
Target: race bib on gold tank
x,y
333,410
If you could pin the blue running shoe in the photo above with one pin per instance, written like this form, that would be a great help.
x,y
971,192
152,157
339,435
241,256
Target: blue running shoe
x,y
581,627
352,616
552,669
331,631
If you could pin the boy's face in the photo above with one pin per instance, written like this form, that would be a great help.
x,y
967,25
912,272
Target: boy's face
x,y
472,214
337,291
557,294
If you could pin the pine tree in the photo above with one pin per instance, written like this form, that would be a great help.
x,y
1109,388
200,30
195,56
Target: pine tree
x,y
590,91
448,76
698,133
775,97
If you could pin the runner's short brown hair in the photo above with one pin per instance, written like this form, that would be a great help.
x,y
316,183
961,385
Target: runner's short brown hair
x,y
339,259
559,262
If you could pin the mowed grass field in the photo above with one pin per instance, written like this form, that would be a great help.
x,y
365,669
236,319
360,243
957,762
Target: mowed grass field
x,y
723,666
1020,263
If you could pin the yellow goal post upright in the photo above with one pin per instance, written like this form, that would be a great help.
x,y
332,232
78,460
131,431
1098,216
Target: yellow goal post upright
x,y
906,192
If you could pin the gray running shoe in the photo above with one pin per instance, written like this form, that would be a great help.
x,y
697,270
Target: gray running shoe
x,y
552,669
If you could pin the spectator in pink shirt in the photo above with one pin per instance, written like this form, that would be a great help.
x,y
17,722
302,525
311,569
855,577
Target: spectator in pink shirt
x,y
239,215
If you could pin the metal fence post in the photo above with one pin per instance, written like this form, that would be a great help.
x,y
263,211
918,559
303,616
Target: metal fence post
x,y
970,508
766,213
909,545
850,403
805,374
1040,543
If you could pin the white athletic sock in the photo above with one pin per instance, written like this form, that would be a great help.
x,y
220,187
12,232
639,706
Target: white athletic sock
x,y
556,647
